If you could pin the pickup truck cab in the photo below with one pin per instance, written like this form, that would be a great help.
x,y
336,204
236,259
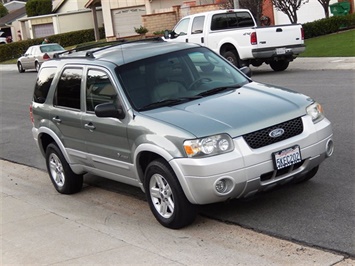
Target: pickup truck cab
x,y
235,35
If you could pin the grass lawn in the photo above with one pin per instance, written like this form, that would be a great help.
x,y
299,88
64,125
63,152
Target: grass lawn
x,y
339,44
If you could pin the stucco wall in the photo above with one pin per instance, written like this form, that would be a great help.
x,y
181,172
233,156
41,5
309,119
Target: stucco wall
x,y
78,21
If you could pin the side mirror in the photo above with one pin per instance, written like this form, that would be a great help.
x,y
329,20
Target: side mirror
x,y
246,70
109,110
167,34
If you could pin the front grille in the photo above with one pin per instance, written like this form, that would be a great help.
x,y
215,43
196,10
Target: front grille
x,y
261,137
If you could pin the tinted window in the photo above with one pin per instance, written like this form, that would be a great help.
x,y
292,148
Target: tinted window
x,y
43,83
231,20
99,89
197,25
68,89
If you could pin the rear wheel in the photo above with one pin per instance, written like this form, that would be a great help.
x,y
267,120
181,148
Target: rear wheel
x,y
37,66
20,67
280,65
232,57
166,198
63,178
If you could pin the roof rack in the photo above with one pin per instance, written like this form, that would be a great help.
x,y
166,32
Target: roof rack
x,y
104,45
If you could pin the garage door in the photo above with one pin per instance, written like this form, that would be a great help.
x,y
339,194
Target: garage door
x,y
124,20
43,30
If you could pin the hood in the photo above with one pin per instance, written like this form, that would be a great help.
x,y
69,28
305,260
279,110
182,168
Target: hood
x,y
237,112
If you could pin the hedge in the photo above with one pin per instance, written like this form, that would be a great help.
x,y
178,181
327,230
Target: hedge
x,y
328,25
16,49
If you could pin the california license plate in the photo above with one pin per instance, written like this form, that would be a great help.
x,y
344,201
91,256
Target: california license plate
x,y
287,157
280,51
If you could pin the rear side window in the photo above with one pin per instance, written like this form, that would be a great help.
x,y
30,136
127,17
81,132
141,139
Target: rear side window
x,y
197,25
231,20
68,89
43,83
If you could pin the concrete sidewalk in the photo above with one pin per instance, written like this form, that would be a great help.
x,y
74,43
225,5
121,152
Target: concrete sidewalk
x,y
99,227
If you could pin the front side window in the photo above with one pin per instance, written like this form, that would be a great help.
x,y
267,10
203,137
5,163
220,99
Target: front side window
x,y
182,27
99,89
43,83
68,88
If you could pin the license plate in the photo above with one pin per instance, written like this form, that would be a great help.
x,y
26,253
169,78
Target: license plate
x,y
287,157
280,50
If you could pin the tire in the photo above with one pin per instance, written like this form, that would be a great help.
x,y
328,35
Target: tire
x,y
20,67
279,65
232,57
166,198
63,178
37,66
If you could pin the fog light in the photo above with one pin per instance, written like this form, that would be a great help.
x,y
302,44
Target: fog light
x,y
329,147
221,186
224,185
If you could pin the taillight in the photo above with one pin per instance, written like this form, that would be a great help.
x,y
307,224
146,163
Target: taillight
x,y
253,38
31,114
302,33
46,56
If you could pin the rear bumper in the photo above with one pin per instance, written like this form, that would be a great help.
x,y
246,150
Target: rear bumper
x,y
290,52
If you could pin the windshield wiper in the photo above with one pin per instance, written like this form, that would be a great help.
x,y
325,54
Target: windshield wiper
x,y
169,102
218,90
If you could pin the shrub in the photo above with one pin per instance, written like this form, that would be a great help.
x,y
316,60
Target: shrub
x,y
16,49
328,25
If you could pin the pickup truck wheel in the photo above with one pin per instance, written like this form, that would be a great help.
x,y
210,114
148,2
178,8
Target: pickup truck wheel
x,y
231,57
166,198
20,67
279,65
63,178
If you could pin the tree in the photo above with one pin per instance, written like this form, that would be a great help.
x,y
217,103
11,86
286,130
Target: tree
x,y
38,7
3,10
289,7
255,7
325,5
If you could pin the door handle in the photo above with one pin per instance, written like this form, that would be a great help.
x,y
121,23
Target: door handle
x,y
57,119
89,126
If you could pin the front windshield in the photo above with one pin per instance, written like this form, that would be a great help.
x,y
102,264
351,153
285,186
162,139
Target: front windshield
x,y
177,77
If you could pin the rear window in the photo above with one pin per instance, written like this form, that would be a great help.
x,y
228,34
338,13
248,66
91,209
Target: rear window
x,y
43,83
231,20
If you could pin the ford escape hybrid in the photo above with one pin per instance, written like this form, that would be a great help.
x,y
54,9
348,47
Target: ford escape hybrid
x,y
176,120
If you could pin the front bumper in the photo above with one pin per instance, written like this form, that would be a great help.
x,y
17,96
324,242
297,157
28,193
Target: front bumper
x,y
248,171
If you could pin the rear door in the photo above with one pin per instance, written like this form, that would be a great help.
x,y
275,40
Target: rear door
x,y
66,113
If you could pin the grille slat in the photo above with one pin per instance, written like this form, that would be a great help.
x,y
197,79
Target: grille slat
x,y
261,137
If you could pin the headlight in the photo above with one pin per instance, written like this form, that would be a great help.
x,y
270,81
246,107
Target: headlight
x,y
315,110
209,146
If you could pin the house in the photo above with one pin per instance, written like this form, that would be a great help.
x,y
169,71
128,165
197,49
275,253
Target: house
x,y
67,16
8,23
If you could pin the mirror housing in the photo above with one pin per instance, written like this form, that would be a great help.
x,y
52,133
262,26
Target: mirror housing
x,y
246,71
109,110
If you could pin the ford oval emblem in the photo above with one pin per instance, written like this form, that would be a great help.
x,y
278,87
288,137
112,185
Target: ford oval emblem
x,y
277,132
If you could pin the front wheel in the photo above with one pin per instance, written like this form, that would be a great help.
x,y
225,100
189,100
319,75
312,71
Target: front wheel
x,y
280,65
166,198
63,178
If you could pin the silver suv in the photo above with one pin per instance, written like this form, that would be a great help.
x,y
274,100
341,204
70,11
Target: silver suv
x,y
176,120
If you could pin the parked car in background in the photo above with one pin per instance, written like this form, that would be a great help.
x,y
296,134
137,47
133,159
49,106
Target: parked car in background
x,y
36,55
2,38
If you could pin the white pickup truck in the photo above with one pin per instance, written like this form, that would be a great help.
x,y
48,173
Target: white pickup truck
x,y
235,35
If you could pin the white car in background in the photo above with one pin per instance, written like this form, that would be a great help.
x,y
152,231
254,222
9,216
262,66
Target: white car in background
x,y
2,38
36,55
